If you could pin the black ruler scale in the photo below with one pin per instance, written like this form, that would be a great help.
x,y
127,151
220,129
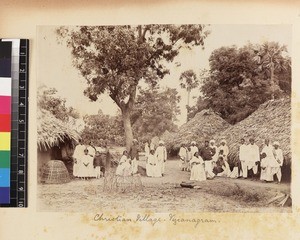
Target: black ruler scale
x,y
19,123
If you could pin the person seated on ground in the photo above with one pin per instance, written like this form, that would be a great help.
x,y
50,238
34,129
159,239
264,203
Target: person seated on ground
x,y
221,168
124,167
197,168
236,171
154,168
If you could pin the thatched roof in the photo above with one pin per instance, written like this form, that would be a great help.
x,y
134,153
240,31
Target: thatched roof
x,y
52,131
271,120
203,126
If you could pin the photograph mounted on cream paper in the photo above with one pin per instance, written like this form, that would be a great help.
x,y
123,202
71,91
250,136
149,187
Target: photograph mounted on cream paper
x,y
188,118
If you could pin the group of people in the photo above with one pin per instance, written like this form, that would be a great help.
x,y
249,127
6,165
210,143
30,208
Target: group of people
x,y
211,160
89,161
155,160
204,163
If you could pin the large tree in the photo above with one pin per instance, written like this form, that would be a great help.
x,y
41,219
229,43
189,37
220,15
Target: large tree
x,y
155,112
235,86
114,59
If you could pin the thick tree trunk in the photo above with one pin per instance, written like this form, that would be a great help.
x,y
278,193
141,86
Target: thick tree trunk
x,y
127,128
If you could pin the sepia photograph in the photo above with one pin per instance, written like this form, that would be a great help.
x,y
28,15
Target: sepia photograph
x,y
164,118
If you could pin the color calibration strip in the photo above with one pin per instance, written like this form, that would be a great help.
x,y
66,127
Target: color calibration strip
x,y
16,194
5,120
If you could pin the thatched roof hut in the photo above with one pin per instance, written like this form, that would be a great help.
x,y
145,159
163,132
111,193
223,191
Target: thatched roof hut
x,y
203,126
55,139
271,120
52,131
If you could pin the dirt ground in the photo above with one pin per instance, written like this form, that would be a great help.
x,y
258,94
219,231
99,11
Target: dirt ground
x,y
163,195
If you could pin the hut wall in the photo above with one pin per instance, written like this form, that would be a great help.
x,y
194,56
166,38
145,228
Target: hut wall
x,y
43,158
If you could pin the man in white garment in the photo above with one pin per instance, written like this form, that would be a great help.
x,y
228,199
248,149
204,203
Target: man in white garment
x,y
161,154
278,154
243,153
77,157
271,163
183,155
253,157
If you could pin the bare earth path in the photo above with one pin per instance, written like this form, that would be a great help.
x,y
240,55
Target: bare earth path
x,y
163,195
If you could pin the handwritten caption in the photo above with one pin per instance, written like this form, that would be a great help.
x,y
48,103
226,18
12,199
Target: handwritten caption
x,y
139,218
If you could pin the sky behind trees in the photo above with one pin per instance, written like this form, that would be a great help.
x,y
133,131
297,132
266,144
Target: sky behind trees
x,y
56,70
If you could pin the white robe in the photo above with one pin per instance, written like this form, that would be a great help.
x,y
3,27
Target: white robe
x,y
77,156
194,149
86,164
124,167
252,157
243,154
271,162
215,156
161,154
184,157
225,151
153,169
197,170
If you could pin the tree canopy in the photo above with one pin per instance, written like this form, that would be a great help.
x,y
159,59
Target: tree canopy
x,y
48,100
114,59
237,83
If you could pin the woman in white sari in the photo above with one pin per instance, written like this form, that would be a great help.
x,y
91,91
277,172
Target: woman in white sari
x,y
197,168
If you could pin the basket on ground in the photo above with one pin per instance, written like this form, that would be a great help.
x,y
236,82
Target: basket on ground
x,y
55,172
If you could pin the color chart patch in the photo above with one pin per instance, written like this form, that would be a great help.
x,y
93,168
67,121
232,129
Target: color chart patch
x,y
13,122
5,119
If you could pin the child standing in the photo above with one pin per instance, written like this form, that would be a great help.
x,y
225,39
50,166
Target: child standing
x,y
85,165
97,164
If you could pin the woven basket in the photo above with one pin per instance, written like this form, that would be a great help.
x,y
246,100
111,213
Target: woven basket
x,y
55,172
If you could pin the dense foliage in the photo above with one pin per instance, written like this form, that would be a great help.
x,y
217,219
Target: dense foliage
x,y
101,127
155,112
48,100
240,79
